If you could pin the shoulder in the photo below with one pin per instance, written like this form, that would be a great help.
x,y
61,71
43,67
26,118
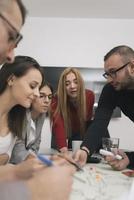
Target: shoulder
x,y
55,99
109,87
89,95
54,102
108,95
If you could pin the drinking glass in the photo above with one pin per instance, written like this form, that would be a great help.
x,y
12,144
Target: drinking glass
x,y
110,144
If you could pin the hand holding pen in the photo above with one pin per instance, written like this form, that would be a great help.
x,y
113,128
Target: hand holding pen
x,y
76,165
49,162
42,158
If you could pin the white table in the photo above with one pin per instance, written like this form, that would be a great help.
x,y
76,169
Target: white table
x,y
100,182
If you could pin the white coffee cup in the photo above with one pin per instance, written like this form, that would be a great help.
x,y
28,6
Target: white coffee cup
x,y
76,145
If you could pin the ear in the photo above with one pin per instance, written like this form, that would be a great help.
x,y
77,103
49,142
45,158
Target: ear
x,y
11,79
131,69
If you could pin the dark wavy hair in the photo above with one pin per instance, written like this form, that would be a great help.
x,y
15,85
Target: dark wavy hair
x,y
20,67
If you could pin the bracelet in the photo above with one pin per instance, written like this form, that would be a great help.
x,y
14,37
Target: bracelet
x,y
85,151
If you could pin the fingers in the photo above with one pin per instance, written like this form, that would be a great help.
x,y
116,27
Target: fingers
x,y
109,158
80,157
119,164
122,153
77,155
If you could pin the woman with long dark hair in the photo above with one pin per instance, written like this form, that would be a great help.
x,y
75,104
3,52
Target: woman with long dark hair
x,y
19,86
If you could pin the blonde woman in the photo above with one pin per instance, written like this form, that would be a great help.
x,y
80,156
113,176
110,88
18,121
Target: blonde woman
x,y
72,109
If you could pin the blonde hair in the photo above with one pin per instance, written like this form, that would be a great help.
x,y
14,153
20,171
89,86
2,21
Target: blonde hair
x,y
63,104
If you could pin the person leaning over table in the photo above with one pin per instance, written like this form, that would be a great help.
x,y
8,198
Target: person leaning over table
x,y
72,108
19,86
119,91
12,17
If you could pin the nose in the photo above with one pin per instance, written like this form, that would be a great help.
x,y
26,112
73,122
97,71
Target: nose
x,y
10,55
46,99
36,92
72,85
109,79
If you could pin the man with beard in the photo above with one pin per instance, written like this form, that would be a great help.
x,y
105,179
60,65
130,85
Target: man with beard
x,y
118,92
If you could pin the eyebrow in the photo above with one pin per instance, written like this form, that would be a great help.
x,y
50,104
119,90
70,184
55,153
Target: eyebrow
x,y
37,83
110,69
45,93
73,80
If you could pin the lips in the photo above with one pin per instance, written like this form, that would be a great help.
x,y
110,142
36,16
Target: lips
x,y
45,107
73,91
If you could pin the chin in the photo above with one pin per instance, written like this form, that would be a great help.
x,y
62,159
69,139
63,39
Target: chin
x,y
27,105
73,96
117,88
43,111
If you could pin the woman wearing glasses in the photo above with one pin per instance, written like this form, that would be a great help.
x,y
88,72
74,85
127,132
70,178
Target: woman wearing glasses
x,y
19,86
37,131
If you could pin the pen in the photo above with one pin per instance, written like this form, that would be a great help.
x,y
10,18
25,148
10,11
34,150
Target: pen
x,y
71,162
45,160
42,158
49,162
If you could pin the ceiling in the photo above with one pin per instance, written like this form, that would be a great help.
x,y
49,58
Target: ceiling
x,y
81,8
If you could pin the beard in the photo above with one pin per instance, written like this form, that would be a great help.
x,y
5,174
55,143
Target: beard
x,y
128,83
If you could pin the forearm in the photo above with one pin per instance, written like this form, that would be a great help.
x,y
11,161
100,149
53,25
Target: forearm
x,y
97,130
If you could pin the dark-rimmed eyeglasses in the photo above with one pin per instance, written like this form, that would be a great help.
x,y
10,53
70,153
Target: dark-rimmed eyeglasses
x,y
113,73
18,36
44,96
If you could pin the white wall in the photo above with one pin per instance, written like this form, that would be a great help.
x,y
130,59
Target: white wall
x,y
80,43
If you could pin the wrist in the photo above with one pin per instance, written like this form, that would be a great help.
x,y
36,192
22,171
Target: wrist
x,y
86,150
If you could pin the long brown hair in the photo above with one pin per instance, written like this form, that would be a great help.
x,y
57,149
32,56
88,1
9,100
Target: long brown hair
x,y
63,107
19,68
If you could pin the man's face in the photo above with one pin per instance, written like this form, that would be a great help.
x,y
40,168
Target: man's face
x,y
120,79
7,33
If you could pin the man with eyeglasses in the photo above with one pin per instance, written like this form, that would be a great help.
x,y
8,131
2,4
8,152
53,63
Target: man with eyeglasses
x,y
118,92
12,17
